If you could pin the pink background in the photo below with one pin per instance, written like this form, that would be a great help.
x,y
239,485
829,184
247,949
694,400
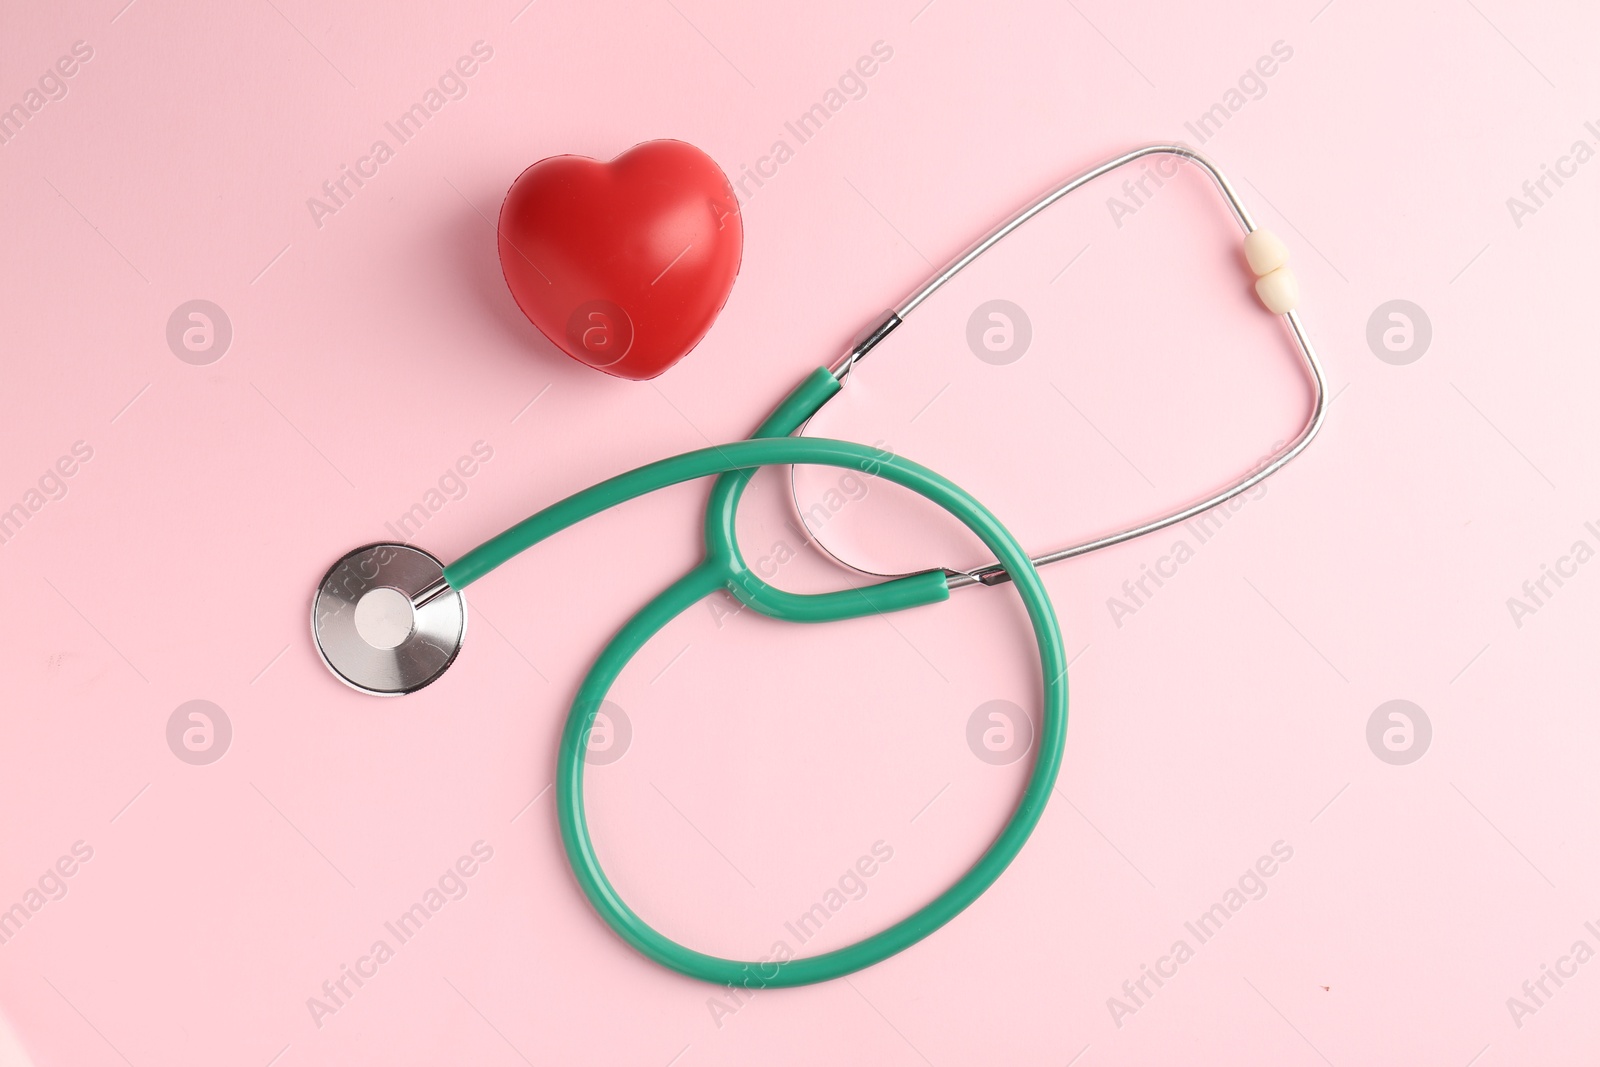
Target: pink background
x,y
1228,714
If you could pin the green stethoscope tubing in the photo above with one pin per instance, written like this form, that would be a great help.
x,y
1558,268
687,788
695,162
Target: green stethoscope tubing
x,y
724,567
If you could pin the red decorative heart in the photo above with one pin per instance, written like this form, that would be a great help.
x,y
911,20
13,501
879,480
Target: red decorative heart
x,y
624,265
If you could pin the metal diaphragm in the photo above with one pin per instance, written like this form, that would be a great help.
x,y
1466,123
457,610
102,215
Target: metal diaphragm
x,y
368,627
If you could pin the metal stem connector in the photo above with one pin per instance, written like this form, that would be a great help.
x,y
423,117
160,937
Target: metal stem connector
x,y
430,594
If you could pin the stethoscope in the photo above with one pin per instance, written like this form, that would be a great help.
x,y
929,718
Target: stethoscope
x,y
389,618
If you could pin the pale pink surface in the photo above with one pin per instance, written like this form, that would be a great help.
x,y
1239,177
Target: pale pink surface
x,y
1227,714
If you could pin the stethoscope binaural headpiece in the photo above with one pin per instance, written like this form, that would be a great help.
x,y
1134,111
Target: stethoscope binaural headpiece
x,y
1275,285
385,621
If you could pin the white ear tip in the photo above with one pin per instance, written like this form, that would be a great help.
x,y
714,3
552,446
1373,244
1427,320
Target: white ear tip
x,y
1279,291
1265,252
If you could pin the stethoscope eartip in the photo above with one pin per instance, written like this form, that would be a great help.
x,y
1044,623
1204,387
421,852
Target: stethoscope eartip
x,y
385,621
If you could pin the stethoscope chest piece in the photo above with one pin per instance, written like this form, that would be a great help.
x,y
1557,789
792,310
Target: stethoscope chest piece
x,y
384,620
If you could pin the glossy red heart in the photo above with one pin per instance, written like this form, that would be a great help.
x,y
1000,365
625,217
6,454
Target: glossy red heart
x,y
623,265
